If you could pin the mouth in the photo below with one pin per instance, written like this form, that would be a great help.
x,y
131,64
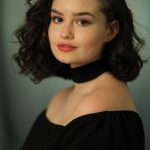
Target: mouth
x,y
66,47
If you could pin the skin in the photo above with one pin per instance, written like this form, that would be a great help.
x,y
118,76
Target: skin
x,y
95,95
89,38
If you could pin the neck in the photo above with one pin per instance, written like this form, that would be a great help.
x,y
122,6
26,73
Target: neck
x,y
88,72
88,86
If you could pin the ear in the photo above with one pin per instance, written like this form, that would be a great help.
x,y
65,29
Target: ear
x,y
112,30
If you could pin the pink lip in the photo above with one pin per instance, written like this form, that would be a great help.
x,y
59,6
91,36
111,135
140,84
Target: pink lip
x,y
66,47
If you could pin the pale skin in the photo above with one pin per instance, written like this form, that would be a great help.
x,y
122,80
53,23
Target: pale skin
x,y
100,94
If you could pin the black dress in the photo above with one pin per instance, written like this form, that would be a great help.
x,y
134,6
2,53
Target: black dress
x,y
108,130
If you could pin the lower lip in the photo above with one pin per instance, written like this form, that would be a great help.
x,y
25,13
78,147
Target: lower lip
x,y
66,48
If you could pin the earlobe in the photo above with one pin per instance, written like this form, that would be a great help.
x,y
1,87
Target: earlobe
x,y
112,30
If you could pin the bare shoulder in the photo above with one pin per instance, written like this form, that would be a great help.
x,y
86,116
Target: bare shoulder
x,y
59,98
114,96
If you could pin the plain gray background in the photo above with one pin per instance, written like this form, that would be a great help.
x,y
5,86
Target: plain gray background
x,y
21,101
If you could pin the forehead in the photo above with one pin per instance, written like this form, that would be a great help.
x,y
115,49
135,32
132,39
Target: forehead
x,y
77,5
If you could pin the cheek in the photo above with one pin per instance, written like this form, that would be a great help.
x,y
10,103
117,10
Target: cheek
x,y
51,35
92,39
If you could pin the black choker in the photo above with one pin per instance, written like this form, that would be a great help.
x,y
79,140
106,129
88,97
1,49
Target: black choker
x,y
88,71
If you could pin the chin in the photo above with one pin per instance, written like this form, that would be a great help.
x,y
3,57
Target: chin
x,y
63,60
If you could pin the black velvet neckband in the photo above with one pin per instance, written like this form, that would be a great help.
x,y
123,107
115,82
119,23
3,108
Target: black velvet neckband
x,y
88,71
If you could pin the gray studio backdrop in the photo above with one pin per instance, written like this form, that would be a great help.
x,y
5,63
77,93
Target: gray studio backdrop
x,y
21,101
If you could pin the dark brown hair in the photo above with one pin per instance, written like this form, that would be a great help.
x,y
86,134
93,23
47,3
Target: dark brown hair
x,y
37,61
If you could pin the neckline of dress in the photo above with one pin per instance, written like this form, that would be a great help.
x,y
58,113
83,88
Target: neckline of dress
x,y
87,116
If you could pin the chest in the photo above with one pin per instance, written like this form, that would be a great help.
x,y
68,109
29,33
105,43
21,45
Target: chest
x,y
61,108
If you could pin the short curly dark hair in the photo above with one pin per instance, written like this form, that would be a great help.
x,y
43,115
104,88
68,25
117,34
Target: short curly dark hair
x,y
37,61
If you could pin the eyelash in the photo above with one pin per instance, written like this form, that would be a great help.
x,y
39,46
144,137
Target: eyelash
x,y
56,17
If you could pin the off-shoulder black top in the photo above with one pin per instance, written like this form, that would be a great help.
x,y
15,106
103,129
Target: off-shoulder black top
x,y
107,130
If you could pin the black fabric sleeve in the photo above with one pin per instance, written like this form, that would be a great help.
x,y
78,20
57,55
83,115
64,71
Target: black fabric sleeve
x,y
104,131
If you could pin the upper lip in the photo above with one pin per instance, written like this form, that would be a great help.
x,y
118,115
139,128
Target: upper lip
x,y
64,44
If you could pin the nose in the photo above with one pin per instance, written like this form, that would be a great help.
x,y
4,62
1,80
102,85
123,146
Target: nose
x,y
67,32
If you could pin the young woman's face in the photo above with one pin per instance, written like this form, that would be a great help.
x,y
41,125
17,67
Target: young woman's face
x,y
85,31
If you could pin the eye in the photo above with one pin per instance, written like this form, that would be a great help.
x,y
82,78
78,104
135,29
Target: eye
x,y
83,22
56,19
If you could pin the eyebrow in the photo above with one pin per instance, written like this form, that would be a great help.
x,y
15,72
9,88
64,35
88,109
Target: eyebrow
x,y
75,14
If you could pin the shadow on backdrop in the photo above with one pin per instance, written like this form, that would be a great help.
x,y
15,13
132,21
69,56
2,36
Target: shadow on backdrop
x,y
5,129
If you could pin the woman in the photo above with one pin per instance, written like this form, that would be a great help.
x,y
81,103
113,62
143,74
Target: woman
x,y
93,43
